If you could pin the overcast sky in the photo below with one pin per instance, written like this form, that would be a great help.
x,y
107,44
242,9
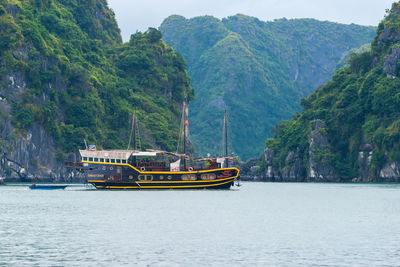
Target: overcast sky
x,y
135,15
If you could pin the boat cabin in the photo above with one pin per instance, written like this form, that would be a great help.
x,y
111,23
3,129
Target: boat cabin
x,y
144,160
113,156
151,160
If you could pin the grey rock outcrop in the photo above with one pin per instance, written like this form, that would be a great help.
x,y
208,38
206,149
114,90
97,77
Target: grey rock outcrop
x,y
389,35
246,171
269,160
293,170
364,163
390,62
318,168
390,172
30,155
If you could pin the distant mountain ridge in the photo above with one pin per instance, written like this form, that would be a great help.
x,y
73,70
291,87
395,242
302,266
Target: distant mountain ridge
x,y
258,70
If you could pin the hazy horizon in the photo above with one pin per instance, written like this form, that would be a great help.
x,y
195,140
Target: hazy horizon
x,y
139,16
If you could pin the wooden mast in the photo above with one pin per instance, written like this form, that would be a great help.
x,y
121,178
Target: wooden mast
x,y
136,135
135,132
130,134
226,138
184,134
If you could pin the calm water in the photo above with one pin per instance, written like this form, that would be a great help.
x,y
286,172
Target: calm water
x,y
259,224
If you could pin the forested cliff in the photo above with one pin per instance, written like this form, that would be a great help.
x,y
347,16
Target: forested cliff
x,y
65,75
257,70
349,129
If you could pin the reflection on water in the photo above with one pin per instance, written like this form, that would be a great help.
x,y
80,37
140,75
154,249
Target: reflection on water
x,y
261,223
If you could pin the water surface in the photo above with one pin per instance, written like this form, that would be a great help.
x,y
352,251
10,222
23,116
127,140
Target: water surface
x,y
258,224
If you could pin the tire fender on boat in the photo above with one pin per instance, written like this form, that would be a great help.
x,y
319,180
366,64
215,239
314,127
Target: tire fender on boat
x,y
142,169
190,169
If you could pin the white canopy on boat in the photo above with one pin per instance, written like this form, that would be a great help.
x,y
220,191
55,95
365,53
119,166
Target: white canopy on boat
x,y
115,154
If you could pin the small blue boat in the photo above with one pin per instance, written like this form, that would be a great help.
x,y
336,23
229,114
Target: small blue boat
x,y
47,187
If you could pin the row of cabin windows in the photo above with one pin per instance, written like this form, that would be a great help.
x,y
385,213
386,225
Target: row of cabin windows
x,y
105,160
188,177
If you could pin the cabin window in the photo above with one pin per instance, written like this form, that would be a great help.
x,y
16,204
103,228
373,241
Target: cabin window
x,y
124,161
161,177
90,159
96,159
111,168
101,160
169,177
145,177
85,158
108,160
118,170
189,177
118,161
207,176
130,177
112,160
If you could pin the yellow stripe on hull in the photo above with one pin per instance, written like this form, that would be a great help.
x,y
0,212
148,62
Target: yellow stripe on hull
x,y
165,182
162,187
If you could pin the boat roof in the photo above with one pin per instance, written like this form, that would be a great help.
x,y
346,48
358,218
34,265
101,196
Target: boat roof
x,y
215,158
125,154
115,154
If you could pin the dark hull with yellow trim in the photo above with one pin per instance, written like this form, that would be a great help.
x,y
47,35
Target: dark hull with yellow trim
x,y
157,185
125,176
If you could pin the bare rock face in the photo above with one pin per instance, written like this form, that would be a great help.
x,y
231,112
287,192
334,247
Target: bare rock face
x,y
249,169
254,169
269,160
390,35
12,10
269,156
319,169
390,172
364,163
390,62
293,170
30,155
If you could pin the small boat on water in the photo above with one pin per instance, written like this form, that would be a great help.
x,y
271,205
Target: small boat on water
x,y
47,187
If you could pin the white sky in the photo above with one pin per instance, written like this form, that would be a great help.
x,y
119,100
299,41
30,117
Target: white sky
x,y
135,15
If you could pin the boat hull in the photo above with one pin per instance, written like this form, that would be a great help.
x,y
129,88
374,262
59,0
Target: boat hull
x,y
47,187
124,176
107,185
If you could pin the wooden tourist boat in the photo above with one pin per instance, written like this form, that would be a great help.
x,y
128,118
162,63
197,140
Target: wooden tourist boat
x,y
123,169
155,169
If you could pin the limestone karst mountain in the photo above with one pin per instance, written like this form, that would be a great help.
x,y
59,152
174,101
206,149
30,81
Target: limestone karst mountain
x,y
258,70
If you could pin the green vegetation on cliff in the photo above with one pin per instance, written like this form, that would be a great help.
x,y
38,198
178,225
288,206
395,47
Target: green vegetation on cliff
x,y
258,70
75,77
360,109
